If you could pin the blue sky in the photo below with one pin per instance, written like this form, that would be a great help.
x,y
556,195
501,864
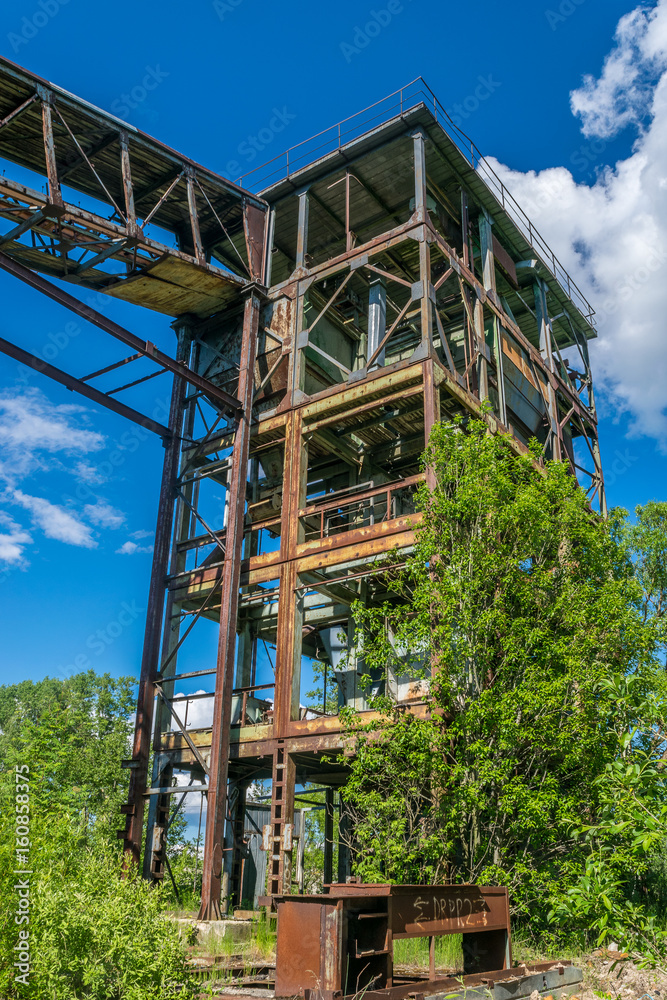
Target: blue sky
x,y
217,77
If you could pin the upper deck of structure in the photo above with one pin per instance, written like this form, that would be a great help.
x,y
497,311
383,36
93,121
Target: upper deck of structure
x,y
370,138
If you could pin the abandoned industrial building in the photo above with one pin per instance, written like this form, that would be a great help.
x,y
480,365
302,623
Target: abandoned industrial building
x,y
327,310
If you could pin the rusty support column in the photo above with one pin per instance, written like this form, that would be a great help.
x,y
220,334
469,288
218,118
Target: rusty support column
x,y
489,281
288,645
327,876
420,213
544,327
224,678
154,616
288,655
254,231
235,861
468,259
268,249
302,230
486,247
427,290
55,196
377,319
431,408
128,190
482,348
194,220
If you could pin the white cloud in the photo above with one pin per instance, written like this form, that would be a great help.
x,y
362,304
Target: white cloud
x,y
199,712
612,235
621,95
141,534
89,474
104,515
131,548
38,436
56,522
31,426
13,540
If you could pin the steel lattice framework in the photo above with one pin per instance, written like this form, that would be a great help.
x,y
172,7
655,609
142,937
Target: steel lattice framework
x,y
381,280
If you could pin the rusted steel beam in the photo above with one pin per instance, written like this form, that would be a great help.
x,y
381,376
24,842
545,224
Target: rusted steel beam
x,y
254,225
55,196
431,411
77,229
23,227
194,220
17,111
120,333
112,247
154,614
226,660
302,230
128,190
76,385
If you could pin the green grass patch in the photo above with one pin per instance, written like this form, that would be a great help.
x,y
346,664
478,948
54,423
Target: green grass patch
x,y
413,952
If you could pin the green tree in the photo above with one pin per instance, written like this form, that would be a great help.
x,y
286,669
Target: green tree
x,y
540,625
77,731
93,935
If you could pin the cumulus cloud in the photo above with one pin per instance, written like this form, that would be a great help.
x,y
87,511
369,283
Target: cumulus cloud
x,y
55,521
612,235
104,515
40,437
130,548
621,95
32,427
13,539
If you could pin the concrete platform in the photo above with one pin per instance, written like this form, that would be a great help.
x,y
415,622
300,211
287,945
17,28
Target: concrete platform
x,y
202,930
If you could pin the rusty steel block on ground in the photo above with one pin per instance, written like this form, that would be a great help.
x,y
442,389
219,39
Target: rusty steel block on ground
x,y
341,942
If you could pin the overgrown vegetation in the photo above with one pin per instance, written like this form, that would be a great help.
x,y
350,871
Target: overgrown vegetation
x,y
541,763
93,935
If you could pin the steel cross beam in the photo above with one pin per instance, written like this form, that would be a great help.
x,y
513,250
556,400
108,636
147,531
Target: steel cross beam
x,y
76,385
143,347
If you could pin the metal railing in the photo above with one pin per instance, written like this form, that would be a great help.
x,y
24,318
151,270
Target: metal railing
x,y
396,105
383,503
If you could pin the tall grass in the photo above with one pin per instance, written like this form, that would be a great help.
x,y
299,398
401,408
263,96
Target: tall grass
x,y
413,952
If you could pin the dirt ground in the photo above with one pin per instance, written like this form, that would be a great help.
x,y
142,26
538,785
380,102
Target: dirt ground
x,y
610,975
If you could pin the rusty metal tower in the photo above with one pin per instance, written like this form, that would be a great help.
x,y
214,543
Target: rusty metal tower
x,y
352,292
